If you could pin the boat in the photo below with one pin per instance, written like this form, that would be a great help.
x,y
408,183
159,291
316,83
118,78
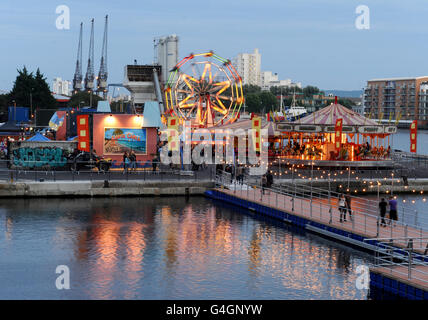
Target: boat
x,y
294,112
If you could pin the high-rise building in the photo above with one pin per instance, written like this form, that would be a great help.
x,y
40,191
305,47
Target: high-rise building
x,y
248,65
389,98
167,54
61,87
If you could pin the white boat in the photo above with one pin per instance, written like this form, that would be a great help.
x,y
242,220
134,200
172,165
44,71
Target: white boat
x,y
295,112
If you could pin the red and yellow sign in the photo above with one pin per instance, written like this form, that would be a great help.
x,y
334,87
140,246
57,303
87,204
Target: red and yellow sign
x,y
413,136
83,133
338,134
257,126
173,137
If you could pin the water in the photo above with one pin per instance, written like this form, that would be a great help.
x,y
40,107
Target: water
x,y
165,248
401,141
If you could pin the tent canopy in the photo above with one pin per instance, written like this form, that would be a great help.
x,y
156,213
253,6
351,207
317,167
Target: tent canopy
x,y
38,137
329,115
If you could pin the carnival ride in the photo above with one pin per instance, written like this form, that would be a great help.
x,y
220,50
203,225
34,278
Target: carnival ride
x,y
204,89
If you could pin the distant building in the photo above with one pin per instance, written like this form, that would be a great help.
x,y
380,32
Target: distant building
x,y
269,80
167,54
61,87
387,98
248,66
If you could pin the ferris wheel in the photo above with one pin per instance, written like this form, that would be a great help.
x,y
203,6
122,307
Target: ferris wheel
x,y
205,89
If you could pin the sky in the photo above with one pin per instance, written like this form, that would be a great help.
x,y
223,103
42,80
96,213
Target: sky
x,y
314,42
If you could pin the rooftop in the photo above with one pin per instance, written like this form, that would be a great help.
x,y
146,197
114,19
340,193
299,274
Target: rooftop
x,y
398,79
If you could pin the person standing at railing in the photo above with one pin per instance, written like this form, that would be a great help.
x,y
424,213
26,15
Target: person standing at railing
x,y
382,207
393,216
342,208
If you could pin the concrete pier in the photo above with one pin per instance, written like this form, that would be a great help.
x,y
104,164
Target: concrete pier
x,y
115,188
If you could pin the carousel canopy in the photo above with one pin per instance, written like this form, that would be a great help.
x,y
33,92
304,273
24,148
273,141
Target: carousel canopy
x,y
329,115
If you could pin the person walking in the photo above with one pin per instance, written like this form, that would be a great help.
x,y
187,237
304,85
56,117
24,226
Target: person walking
x,y
348,205
125,162
342,208
382,207
264,183
393,216
133,160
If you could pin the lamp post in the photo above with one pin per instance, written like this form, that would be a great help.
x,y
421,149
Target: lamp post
x,y
31,102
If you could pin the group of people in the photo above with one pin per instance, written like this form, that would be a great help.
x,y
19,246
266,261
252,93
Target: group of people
x,y
393,215
366,151
129,161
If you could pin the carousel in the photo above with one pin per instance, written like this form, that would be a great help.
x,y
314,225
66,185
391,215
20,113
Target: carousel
x,y
362,142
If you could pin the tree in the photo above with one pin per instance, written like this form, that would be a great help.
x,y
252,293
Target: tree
x,y
32,90
253,102
83,98
4,102
308,91
41,94
268,100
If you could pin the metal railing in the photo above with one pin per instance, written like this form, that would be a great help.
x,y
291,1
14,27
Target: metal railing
x,y
89,171
400,255
323,205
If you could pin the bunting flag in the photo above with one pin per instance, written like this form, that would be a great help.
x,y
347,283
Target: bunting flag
x,y
257,126
173,138
390,117
380,117
83,133
413,136
268,116
398,118
338,134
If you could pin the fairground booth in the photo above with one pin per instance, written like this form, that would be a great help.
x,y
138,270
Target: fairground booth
x,y
113,134
332,136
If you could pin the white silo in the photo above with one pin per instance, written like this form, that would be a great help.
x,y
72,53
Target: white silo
x,y
167,54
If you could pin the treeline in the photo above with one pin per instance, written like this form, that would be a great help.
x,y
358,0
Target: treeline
x,y
260,101
28,89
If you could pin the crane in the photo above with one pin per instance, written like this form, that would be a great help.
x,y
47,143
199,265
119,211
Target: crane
x,y
77,81
103,74
90,77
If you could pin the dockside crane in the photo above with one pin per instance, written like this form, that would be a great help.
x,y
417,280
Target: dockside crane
x,y
103,74
77,80
90,76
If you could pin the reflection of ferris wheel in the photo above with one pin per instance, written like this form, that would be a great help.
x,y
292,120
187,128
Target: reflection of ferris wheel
x,y
205,89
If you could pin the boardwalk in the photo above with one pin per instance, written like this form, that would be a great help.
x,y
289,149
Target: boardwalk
x,y
361,223
325,211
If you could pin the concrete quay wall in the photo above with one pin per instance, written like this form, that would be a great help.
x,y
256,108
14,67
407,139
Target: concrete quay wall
x,y
99,189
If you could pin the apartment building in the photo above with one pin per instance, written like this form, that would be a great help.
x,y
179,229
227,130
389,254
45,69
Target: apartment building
x,y
387,98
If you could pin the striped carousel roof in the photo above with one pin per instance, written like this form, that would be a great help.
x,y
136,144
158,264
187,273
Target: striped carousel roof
x,y
331,113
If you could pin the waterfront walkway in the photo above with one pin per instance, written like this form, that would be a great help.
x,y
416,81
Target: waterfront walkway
x,y
322,215
318,210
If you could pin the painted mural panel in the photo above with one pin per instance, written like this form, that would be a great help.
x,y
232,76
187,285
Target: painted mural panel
x,y
120,140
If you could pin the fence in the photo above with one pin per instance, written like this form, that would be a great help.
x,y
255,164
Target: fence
x,y
406,262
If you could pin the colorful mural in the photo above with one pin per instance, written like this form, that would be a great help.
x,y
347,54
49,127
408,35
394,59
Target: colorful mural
x,y
120,140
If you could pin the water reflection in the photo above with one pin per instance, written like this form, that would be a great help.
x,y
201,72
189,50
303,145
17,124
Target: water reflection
x,y
171,248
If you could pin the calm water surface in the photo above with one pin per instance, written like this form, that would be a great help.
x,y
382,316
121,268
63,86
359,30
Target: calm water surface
x,y
401,141
165,248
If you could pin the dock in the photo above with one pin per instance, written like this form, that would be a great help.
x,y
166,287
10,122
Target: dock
x,y
319,214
